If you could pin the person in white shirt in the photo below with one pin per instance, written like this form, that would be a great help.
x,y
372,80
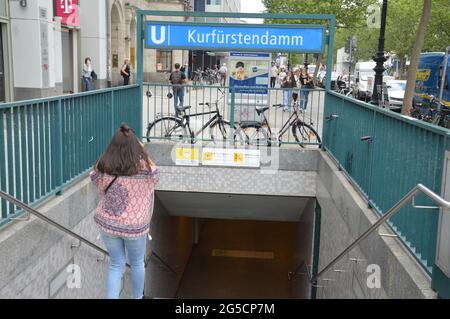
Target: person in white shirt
x,y
281,75
223,74
273,75
87,74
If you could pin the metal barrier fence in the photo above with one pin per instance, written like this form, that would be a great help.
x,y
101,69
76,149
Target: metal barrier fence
x,y
385,155
234,116
47,143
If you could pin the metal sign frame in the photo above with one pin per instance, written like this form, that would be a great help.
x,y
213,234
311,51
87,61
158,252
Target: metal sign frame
x,y
228,25
141,14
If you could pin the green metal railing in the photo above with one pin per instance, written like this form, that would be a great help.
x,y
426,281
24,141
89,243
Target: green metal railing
x,y
385,155
235,108
47,143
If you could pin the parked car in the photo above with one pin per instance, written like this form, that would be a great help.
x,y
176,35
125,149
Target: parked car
x,y
371,82
394,94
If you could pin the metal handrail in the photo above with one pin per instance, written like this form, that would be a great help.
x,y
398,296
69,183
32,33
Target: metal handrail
x,y
394,209
66,230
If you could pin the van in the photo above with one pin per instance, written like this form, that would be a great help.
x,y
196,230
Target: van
x,y
429,78
362,72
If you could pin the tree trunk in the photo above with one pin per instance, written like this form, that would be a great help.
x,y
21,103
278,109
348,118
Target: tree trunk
x,y
415,55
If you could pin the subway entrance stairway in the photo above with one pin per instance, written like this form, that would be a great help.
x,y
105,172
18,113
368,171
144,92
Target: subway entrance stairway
x,y
216,236
242,260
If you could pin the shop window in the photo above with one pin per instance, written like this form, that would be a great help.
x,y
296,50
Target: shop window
x,y
163,61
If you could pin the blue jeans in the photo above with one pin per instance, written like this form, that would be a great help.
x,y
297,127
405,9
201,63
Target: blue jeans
x,y
178,96
304,94
287,99
135,248
87,83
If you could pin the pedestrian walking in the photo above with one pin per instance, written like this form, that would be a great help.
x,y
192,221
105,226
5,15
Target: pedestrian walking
x,y
88,74
281,75
223,71
288,84
177,79
296,91
273,75
307,84
125,178
125,72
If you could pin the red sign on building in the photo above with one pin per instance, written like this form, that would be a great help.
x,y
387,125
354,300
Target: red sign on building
x,y
68,11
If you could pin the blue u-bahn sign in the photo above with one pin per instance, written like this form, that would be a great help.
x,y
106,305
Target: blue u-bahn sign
x,y
273,38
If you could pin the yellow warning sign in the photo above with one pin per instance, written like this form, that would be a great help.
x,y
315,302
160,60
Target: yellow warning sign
x,y
187,156
208,156
238,157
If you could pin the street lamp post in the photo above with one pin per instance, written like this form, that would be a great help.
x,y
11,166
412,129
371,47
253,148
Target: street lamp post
x,y
380,58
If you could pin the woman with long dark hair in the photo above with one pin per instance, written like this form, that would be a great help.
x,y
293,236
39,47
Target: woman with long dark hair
x,y
125,177
288,84
307,84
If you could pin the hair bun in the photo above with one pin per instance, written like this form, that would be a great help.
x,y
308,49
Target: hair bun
x,y
124,128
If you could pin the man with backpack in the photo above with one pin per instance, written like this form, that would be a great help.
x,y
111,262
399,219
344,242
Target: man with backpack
x,y
177,79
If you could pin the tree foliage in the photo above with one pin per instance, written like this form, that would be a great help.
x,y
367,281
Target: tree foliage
x,y
351,19
349,13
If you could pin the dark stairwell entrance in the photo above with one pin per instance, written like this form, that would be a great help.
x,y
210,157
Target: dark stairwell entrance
x,y
242,259
244,246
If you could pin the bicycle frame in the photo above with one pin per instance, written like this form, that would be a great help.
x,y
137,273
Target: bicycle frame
x,y
186,118
293,119
215,118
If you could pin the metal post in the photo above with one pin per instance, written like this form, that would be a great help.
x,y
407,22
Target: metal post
x,y
232,108
140,66
330,53
61,149
444,75
380,58
306,63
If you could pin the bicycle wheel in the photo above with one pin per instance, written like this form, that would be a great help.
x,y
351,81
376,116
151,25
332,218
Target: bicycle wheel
x,y
220,130
252,135
305,133
168,127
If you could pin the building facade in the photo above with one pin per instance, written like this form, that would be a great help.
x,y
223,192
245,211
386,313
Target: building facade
x,y
207,59
6,89
44,43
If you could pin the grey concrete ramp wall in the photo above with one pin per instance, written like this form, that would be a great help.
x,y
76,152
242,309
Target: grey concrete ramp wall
x,y
293,174
35,256
344,217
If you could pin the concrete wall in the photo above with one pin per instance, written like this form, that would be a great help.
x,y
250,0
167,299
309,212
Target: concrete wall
x,y
94,37
34,253
295,174
174,239
303,247
344,217
26,30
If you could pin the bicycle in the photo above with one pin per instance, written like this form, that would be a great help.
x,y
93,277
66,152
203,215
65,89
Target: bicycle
x,y
259,133
178,127
346,92
435,112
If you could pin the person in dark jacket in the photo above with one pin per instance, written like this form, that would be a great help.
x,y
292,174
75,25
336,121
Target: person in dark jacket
x,y
126,72
288,84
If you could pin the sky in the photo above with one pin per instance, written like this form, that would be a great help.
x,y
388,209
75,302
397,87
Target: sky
x,y
252,6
